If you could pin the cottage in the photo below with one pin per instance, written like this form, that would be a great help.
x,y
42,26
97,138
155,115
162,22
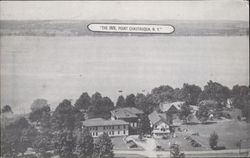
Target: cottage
x,y
159,123
98,126
128,114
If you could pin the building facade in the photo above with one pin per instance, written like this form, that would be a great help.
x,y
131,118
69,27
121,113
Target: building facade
x,y
113,128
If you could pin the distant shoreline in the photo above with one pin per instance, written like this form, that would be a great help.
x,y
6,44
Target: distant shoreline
x,y
79,28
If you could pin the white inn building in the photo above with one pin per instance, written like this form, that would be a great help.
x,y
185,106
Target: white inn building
x,y
98,126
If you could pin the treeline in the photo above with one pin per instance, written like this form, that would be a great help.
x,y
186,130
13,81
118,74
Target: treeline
x,y
189,93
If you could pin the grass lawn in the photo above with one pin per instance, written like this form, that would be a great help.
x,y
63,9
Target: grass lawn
x,y
229,132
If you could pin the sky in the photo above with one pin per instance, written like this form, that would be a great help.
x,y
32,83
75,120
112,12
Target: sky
x,y
56,68
199,10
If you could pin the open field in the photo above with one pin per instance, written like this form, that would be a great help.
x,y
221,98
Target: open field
x,y
229,131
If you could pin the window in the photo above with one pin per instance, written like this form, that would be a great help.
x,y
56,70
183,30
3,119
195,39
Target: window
x,y
118,127
96,128
103,127
118,132
112,127
112,132
124,126
124,132
96,133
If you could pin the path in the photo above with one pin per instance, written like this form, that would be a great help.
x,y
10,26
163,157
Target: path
x,y
149,145
161,154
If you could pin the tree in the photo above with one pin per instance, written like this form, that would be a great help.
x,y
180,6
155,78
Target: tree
x,y
37,114
215,91
239,96
107,104
38,104
213,140
163,93
144,125
64,143
241,99
190,93
96,99
66,116
203,113
101,106
83,102
185,111
120,102
84,143
6,109
145,102
130,100
140,101
103,146
45,122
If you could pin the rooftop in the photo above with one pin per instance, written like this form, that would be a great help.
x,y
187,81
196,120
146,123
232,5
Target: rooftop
x,y
155,117
166,106
128,112
102,122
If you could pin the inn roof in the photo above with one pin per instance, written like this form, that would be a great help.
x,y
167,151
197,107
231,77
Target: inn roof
x,y
102,122
127,112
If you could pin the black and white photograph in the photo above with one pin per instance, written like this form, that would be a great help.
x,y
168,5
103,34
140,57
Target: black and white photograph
x,y
124,79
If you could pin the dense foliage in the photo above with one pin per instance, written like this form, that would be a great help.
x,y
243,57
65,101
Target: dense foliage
x,y
144,125
96,106
17,137
103,146
184,113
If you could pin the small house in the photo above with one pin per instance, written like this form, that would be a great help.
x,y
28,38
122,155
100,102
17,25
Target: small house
x,y
159,123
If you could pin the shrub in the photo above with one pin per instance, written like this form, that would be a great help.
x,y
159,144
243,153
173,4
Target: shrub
x,y
213,140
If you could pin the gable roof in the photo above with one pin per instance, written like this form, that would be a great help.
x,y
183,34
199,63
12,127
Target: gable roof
x,y
155,117
102,122
127,112
164,107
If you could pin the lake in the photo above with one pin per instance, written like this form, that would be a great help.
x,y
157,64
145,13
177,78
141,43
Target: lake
x,y
57,68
